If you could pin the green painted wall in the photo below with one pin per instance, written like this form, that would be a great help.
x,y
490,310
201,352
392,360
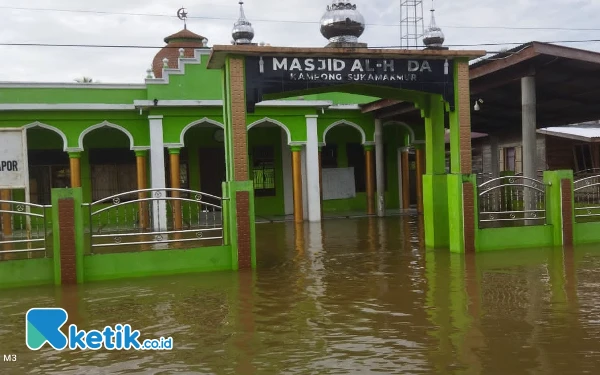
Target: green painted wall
x,y
72,94
586,233
155,263
198,83
491,239
73,124
28,272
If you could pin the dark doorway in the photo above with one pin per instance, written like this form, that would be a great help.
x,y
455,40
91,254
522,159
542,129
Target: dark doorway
x,y
212,170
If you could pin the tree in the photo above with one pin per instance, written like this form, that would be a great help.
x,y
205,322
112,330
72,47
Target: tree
x,y
84,80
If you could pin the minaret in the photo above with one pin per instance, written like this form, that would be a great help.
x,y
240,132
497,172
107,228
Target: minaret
x,y
243,32
433,37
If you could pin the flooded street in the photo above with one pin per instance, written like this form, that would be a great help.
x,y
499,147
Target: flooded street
x,y
355,296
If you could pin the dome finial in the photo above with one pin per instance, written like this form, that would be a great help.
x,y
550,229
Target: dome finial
x,y
434,37
342,23
243,32
183,15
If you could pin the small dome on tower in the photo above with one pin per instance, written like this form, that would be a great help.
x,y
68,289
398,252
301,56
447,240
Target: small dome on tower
x,y
242,32
433,37
184,39
342,23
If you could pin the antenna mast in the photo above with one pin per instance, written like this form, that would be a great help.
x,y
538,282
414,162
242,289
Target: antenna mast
x,y
412,26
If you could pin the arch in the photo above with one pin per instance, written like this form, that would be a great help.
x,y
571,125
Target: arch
x,y
274,122
204,120
107,125
411,132
38,124
348,123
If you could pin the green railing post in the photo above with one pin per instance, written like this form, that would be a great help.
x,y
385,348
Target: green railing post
x,y
559,205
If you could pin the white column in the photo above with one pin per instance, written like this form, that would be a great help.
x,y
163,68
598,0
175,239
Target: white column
x,y
528,97
529,127
312,173
157,171
304,184
379,172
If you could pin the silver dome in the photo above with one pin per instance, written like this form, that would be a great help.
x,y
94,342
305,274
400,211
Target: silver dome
x,y
433,37
342,23
243,32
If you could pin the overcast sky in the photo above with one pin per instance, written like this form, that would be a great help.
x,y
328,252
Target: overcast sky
x,y
459,20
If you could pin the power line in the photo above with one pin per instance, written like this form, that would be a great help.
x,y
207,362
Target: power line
x,y
98,12
373,47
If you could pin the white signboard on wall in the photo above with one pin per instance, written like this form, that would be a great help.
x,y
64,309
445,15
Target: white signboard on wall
x,y
338,183
14,171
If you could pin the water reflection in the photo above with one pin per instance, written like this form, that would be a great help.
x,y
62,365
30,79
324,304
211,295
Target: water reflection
x,y
340,297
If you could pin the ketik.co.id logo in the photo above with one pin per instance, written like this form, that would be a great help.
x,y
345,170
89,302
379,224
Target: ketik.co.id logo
x,y
43,326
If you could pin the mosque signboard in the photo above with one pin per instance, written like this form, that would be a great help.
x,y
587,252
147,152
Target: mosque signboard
x,y
276,74
13,159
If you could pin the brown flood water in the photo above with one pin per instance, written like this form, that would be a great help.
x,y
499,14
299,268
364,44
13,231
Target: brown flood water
x,y
346,297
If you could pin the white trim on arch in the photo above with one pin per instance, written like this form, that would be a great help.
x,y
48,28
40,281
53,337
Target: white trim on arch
x,y
411,132
348,123
38,124
204,120
107,125
274,122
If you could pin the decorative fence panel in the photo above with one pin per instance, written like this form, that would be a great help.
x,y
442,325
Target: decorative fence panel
x,y
24,230
587,199
155,219
512,201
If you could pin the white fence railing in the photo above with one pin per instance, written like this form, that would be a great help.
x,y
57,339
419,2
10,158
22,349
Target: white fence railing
x,y
512,201
143,219
23,229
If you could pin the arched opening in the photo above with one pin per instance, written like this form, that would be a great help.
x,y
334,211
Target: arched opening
x,y
48,163
344,170
108,165
400,166
202,159
269,159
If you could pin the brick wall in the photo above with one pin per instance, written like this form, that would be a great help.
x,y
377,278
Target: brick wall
x,y
567,212
66,222
243,230
238,116
469,217
464,112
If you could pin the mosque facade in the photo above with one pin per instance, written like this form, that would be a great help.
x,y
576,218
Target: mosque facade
x,y
112,138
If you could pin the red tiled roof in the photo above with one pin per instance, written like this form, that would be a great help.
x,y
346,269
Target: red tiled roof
x,y
183,39
186,35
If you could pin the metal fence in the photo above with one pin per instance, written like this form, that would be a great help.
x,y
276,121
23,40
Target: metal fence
x,y
512,201
24,230
587,199
155,219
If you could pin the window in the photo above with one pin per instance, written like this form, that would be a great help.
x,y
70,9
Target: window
x,y
113,171
583,158
263,171
356,160
510,159
329,156
48,169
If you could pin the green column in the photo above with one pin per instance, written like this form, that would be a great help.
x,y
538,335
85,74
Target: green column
x,y
435,194
554,206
